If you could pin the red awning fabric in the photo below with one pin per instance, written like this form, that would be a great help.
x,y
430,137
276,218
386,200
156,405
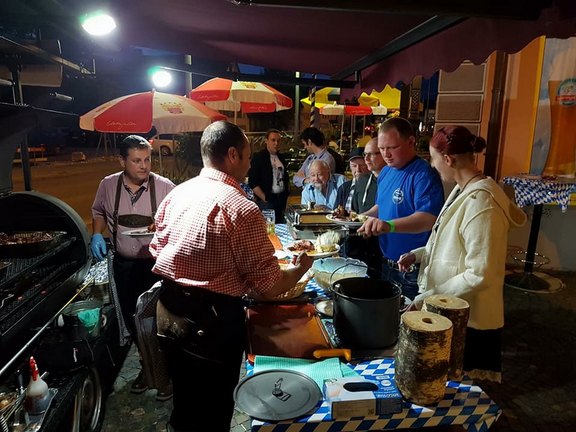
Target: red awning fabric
x,y
328,41
474,40
314,36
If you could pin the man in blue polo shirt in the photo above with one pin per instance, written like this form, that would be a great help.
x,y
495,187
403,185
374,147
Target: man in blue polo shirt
x,y
409,198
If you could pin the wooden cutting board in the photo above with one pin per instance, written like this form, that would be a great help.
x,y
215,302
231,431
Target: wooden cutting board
x,y
290,330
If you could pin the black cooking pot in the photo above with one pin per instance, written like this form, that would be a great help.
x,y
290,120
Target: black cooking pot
x,y
366,312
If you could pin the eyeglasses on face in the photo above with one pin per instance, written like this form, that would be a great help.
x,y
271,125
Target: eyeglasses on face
x,y
371,154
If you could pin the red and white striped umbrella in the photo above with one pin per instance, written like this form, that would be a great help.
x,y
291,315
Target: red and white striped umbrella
x,y
357,110
249,97
138,112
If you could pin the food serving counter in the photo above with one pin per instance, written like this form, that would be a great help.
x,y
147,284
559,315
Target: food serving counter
x,y
464,403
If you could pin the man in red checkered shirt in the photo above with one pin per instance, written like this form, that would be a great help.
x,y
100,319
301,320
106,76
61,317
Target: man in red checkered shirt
x,y
212,249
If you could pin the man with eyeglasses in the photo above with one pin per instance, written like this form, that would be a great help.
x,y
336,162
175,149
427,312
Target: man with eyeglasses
x,y
409,198
365,194
363,199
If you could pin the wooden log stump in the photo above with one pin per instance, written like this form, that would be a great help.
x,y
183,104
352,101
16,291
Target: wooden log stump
x,y
422,357
457,311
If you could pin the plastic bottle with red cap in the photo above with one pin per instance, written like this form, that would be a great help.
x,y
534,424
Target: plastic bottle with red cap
x,y
37,393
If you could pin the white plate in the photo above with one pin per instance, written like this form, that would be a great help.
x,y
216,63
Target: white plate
x,y
314,254
139,232
343,222
325,307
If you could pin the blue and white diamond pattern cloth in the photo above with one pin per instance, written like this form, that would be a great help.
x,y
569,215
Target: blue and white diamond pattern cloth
x,y
464,403
533,190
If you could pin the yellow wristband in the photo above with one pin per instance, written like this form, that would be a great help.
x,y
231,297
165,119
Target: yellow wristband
x,y
392,225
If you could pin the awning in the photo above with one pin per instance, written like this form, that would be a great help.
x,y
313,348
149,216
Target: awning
x,y
327,40
384,42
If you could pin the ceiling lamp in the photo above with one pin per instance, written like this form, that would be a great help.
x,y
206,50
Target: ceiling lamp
x,y
98,23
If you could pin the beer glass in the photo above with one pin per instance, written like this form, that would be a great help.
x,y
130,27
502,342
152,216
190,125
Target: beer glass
x,y
562,153
270,218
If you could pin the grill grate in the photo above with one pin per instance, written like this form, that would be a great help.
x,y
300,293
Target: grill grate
x,y
46,280
23,265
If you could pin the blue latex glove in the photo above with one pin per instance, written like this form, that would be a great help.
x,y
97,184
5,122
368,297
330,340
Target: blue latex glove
x,y
98,247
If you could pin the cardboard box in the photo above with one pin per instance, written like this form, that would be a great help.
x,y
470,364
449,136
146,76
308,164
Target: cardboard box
x,y
362,396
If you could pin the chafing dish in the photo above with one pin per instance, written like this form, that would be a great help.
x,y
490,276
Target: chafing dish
x,y
305,223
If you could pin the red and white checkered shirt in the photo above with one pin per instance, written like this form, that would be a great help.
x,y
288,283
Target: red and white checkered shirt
x,y
209,235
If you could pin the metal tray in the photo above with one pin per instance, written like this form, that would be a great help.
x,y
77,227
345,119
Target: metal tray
x,y
42,241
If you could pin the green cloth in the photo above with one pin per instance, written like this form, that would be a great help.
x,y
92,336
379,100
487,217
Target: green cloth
x,y
89,318
317,370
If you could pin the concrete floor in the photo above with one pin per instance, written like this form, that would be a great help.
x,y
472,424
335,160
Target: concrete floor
x,y
538,392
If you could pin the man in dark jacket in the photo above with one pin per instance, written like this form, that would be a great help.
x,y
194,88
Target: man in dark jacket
x,y
268,176
357,168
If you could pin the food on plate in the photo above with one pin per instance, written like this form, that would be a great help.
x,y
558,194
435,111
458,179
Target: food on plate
x,y
340,213
327,242
302,246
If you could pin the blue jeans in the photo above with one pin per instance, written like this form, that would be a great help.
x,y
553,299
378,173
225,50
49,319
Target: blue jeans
x,y
408,281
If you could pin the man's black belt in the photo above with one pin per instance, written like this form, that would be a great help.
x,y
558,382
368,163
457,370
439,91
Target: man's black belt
x,y
176,295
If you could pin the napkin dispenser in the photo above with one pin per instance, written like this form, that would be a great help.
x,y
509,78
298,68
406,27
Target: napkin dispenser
x,y
362,396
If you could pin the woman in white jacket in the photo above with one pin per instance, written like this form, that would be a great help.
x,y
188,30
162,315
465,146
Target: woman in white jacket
x,y
466,251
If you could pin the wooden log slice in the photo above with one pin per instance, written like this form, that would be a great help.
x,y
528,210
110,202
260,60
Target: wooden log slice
x,y
457,311
422,357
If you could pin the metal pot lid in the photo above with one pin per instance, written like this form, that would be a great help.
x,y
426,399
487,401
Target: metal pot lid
x,y
277,394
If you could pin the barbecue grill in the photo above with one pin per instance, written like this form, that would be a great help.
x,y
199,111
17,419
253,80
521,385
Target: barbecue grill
x,y
34,287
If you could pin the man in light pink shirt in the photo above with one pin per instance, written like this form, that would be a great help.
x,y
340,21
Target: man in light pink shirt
x,y
124,206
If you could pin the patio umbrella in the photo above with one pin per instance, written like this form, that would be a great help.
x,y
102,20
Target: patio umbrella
x,y
246,96
138,112
323,96
352,110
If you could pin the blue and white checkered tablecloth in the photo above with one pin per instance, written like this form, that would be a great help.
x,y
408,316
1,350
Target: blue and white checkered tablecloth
x,y
533,190
464,403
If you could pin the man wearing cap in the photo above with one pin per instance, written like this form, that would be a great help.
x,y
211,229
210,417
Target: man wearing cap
x,y
367,249
346,190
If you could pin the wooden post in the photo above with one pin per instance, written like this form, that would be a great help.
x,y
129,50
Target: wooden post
x,y
422,357
457,311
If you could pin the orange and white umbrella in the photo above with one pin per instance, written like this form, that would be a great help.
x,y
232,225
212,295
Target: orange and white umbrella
x,y
352,110
246,96
138,112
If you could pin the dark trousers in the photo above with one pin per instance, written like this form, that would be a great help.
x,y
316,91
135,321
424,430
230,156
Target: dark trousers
x,y
366,250
132,278
408,281
203,335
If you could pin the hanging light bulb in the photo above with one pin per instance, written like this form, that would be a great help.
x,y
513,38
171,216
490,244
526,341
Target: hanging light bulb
x,y
98,23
